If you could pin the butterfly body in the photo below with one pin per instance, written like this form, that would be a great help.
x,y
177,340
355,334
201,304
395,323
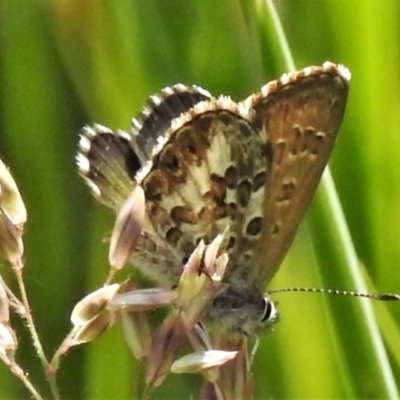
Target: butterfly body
x,y
207,165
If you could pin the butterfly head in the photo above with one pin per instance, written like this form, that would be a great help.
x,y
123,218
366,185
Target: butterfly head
x,y
241,313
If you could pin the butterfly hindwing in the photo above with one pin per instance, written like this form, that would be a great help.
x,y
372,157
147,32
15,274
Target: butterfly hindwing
x,y
108,164
205,179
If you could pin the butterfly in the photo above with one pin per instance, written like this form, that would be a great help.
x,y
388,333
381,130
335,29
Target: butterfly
x,y
209,164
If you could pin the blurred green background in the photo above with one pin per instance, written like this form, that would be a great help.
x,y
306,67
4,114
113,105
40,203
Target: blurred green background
x,y
67,63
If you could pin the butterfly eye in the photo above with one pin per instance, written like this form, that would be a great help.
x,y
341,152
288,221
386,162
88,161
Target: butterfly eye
x,y
270,312
185,260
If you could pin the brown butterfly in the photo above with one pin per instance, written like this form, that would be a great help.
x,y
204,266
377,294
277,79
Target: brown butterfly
x,y
208,164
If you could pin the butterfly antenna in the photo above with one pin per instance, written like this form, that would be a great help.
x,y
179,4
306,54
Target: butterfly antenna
x,y
372,296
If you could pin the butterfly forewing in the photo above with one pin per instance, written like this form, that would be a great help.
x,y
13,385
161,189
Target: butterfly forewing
x,y
152,123
299,116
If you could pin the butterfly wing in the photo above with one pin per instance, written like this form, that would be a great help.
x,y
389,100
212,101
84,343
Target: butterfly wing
x,y
109,162
149,128
299,117
207,176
